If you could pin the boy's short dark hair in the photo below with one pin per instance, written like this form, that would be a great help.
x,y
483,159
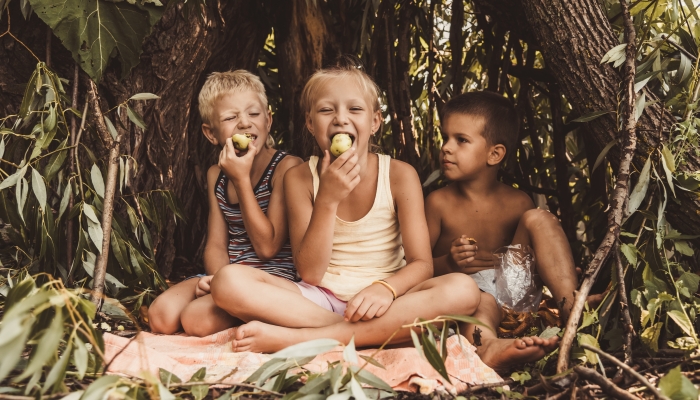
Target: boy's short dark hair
x,y
500,118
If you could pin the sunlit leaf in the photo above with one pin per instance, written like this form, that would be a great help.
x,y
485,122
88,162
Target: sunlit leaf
x,y
135,118
682,321
590,116
584,338
676,386
94,30
144,96
110,127
640,189
97,181
603,153
349,353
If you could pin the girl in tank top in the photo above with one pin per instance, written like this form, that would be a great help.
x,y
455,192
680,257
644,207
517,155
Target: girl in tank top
x,y
358,233
247,224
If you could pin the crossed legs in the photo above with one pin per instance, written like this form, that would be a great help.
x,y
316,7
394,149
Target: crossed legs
x,y
448,294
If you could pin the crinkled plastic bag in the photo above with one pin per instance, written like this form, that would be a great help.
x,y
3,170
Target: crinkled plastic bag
x,y
516,287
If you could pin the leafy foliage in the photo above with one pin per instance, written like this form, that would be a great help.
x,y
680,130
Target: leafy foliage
x,y
96,31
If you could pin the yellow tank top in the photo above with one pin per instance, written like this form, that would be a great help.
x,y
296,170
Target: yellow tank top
x,y
367,249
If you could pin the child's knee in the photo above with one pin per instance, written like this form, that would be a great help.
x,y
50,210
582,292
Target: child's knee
x,y
161,320
229,288
536,219
464,291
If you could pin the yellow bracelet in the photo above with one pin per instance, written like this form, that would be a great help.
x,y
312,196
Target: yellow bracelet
x,y
386,285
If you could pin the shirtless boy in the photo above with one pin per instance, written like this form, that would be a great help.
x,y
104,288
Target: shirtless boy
x,y
479,129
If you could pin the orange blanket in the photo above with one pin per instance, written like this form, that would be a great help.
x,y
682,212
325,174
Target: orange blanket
x,y
184,355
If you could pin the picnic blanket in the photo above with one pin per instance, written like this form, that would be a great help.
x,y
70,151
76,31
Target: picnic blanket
x,y
184,355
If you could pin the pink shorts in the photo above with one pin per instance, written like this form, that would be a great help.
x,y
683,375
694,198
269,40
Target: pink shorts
x,y
322,297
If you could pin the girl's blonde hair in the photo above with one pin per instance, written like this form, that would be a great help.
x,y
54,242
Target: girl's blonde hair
x,y
342,70
220,83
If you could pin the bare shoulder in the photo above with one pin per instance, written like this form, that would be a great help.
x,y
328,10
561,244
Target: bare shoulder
x,y
285,165
402,173
515,199
297,173
437,199
213,174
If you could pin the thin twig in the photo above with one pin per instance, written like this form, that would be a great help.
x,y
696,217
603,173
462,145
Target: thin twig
x,y
71,169
670,364
627,369
629,139
476,388
606,385
624,307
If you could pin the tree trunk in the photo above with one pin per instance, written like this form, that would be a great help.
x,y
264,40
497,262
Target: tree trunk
x,y
573,37
301,37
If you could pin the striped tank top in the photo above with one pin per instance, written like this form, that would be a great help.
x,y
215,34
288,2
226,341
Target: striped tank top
x,y
240,248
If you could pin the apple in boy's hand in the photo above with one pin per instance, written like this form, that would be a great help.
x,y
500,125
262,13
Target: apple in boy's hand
x,y
340,144
241,141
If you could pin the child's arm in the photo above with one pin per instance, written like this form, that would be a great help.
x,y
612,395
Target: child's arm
x,y
268,232
216,249
374,300
311,224
432,214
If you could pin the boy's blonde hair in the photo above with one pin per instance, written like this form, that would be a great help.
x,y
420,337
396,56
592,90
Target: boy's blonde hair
x,y
220,83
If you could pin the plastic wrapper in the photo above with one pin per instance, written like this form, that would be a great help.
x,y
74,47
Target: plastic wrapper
x,y
516,286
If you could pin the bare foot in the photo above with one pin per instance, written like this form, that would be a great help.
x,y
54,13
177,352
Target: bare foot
x,y
260,337
501,354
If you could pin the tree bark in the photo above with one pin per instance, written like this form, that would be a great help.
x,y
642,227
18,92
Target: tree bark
x,y
301,37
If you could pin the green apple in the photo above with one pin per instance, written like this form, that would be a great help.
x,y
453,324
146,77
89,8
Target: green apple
x,y
241,141
340,144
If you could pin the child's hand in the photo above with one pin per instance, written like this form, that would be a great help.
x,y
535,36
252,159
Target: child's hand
x,y
203,287
463,251
372,302
236,166
339,178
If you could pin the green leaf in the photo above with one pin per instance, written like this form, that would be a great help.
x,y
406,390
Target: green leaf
x,y
199,375
374,381
110,127
677,387
372,361
135,118
89,212
58,371
67,193
684,71
47,347
21,193
56,162
640,189
615,54
356,390
80,357
683,247
650,336
584,338
39,188
682,320
14,178
200,391
11,351
349,353
144,96
97,389
550,332
307,349
316,384
97,181
165,394
630,252
2,146
590,116
639,105
432,177
603,153
690,281
94,30
433,357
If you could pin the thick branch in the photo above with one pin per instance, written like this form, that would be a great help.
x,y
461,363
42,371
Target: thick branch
x,y
108,205
629,140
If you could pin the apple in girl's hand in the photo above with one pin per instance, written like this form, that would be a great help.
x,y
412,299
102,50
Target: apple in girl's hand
x,y
241,141
340,144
